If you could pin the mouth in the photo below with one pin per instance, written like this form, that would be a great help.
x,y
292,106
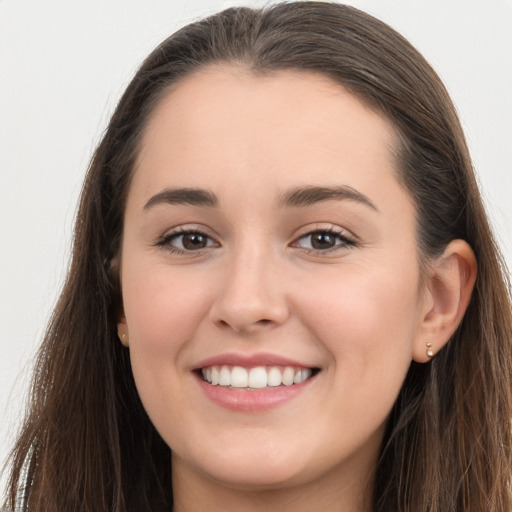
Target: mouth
x,y
254,383
255,378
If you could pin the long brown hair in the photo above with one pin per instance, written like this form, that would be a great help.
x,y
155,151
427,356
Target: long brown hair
x,y
87,443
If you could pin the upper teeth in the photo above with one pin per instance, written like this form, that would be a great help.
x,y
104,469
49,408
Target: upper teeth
x,y
256,378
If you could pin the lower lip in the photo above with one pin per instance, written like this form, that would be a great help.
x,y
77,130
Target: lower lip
x,y
252,401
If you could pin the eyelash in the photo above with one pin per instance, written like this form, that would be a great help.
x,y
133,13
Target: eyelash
x,y
166,240
344,241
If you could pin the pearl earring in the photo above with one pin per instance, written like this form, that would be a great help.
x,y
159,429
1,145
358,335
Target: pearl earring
x,y
430,352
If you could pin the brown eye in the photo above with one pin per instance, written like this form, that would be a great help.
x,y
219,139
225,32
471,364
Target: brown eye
x,y
186,241
194,241
324,241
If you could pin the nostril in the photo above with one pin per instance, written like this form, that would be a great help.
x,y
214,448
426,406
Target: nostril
x,y
247,327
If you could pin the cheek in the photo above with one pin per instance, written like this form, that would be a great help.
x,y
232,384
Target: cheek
x,y
162,312
162,309
366,320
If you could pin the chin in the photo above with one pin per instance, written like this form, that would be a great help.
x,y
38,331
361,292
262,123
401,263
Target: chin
x,y
255,469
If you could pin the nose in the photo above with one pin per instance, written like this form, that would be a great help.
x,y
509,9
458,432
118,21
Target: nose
x,y
252,294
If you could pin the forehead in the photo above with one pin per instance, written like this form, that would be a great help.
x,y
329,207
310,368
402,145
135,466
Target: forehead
x,y
282,94
246,109
225,123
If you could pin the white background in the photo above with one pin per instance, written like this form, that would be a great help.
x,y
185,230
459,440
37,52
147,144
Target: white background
x,y
63,66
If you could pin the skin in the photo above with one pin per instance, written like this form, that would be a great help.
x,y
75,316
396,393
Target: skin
x,y
360,311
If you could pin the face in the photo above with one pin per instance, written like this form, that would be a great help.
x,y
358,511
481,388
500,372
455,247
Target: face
x,y
270,278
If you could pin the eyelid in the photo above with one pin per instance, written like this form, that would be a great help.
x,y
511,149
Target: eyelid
x,y
347,237
325,227
164,241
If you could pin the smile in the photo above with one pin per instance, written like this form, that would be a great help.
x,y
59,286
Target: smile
x,y
253,383
258,377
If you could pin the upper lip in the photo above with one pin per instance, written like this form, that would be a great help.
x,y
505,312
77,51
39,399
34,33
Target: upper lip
x,y
250,360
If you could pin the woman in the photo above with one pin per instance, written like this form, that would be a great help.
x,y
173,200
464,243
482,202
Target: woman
x,y
284,291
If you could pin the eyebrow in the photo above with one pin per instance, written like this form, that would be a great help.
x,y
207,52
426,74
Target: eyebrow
x,y
188,196
307,196
297,197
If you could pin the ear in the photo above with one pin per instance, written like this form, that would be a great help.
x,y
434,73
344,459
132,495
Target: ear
x,y
450,282
122,327
122,331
